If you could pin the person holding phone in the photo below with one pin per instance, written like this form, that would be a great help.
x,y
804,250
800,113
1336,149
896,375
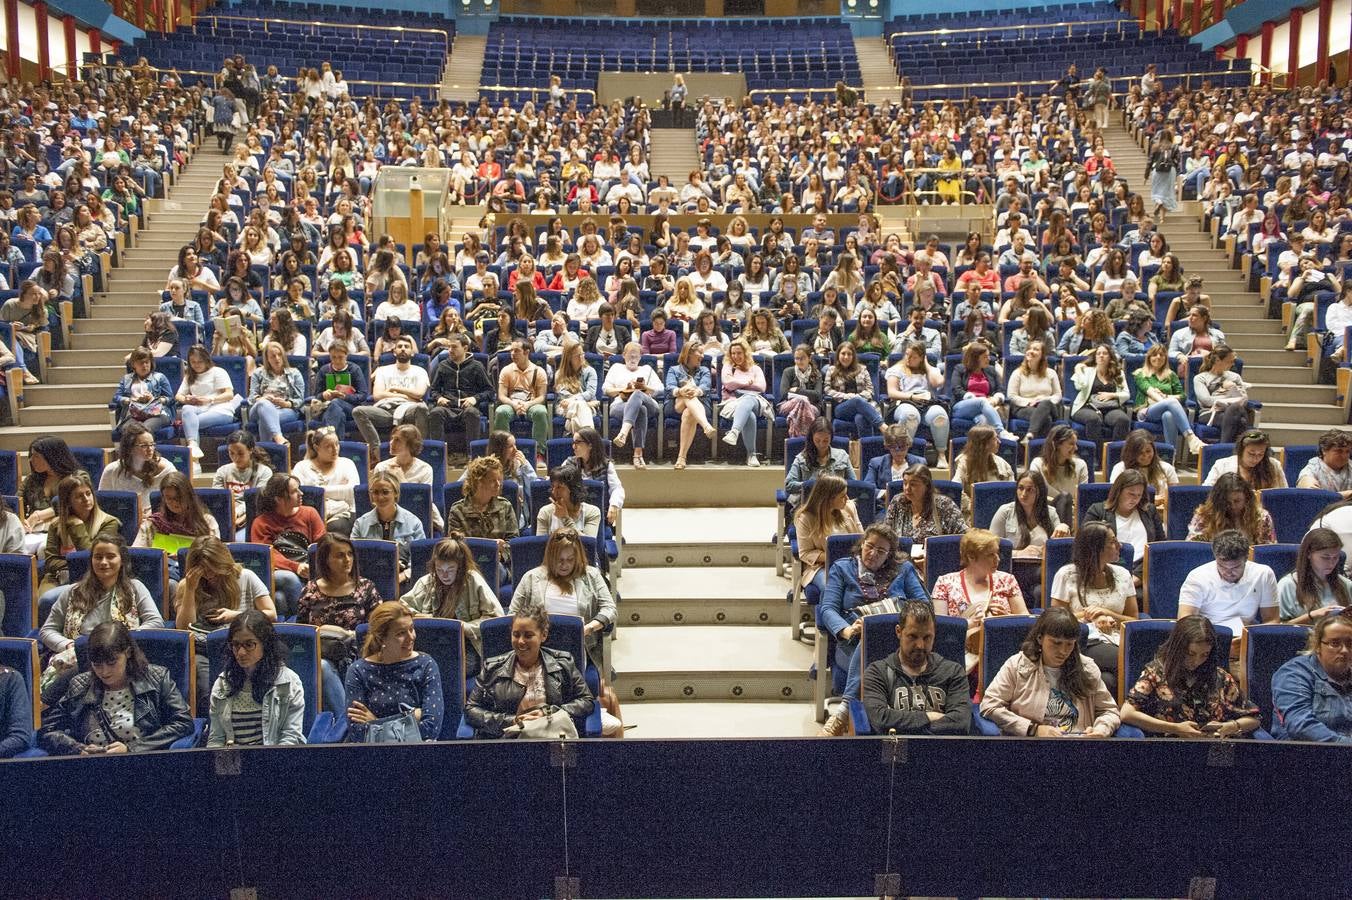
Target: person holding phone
x,y
633,387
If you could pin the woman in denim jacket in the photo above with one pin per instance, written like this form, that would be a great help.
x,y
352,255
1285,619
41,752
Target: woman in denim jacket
x,y
1312,694
257,700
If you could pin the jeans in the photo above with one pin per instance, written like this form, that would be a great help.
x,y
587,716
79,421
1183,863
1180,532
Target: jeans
x,y
540,426
151,179
1197,178
1302,322
194,419
1040,417
745,411
336,416
269,419
1115,421
288,586
371,418
980,410
1169,413
635,412
935,417
847,657
447,418
332,692
864,414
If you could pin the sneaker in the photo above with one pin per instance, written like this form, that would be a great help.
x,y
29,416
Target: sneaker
x,y
195,451
753,461
835,725
731,438
1194,443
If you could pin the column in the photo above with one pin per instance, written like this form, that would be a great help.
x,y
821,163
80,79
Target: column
x,y
44,49
72,57
1321,72
1217,10
95,41
12,39
1196,16
1265,52
1293,48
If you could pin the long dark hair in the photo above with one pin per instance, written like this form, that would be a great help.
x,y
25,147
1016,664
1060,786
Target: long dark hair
x,y
1263,475
597,462
56,453
86,593
1041,515
1059,622
1173,653
274,655
1088,556
1309,589
810,456
106,641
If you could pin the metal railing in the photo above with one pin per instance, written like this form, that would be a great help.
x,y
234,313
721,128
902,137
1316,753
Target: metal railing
x,y
315,25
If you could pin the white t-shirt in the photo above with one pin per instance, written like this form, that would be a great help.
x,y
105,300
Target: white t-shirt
x,y
1131,531
210,383
1230,605
413,378
559,603
1065,587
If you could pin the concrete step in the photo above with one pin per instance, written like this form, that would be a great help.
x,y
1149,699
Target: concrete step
x,y
104,312
715,595
79,393
726,485
734,662
1303,413
1246,341
18,437
105,376
724,720
1285,434
86,357
109,340
738,536
100,324
1271,358
1286,392
67,413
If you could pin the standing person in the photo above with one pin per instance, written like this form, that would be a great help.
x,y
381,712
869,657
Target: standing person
x,y
1162,172
228,115
915,690
1098,94
397,391
522,390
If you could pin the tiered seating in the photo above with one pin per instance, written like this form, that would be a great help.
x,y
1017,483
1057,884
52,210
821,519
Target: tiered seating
x,y
772,53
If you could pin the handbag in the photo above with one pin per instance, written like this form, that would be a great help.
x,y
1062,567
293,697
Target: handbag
x,y
885,606
397,729
554,724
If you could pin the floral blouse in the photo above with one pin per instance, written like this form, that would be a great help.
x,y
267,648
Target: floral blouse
x,y
1200,703
951,599
947,519
317,608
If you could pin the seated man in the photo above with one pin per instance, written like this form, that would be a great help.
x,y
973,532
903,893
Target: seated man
x,y
1232,592
522,388
397,391
461,389
916,691
1329,471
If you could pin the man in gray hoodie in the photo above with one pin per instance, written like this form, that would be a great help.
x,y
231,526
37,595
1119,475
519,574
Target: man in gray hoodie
x,y
915,690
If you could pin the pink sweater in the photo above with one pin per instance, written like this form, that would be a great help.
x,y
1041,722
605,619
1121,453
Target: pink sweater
x,y
735,380
1017,697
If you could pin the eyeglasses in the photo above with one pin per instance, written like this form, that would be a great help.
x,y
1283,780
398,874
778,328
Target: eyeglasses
x,y
244,646
1343,644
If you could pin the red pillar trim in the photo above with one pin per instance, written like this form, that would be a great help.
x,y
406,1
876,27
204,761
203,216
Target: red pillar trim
x,y
1159,15
1293,48
1196,16
72,55
12,39
1217,10
1325,25
1178,14
115,47
95,41
44,50
1140,11
1241,46
140,14
1265,52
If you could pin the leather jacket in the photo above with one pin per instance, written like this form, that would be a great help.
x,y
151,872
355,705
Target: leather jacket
x,y
159,710
492,706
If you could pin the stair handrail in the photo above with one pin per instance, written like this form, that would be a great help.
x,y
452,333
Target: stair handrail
x,y
1069,26
213,19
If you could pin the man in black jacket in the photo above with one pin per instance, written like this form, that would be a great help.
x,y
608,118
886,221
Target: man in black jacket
x,y
915,690
608,338
460,392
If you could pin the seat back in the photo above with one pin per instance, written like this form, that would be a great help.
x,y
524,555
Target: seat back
x,y
444,641
484,551
565,633
1001,638
1297,455
987,497
360,454
1280,558
219,504
19,575
1142,639
126,505
162,647
1265,649
92,460
1293,509
1183,502
21,655
880,638
942,556
1167,564
149,565
9,473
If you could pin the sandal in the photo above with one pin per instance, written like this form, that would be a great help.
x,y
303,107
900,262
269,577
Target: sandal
x,y
680,463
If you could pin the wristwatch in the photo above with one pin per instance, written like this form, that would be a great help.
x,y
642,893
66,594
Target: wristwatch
x,y
1032,729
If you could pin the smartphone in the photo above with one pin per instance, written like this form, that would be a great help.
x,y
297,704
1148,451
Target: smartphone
x,y
1211,726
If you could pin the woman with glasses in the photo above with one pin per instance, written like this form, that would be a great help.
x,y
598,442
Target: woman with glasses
x,y
1312,694
256,701
589,453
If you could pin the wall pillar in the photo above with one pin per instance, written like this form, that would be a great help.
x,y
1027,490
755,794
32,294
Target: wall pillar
x,y
44,50
1293,48
72,57
1321,71
95,41
1265,53
1217,10
12,39
1196,16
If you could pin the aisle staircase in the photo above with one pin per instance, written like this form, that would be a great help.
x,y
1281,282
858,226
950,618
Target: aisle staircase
x,y
878,74
1294,410
702,648
460,80
74,402
673,152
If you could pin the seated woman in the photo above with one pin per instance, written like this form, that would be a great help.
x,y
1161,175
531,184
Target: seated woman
x,y
139,467
1161,400
565,583
1060,464
634,388
892,465
276,392
980,461
1232,503
1222,395
206,397
49,462
16,714
482,511
914,384
818,458
518,685
1251,462
1101,398
1100,593
1048,689
106,593
1134,521
216,591
919,512
180,518
502,447
689,390
289,527
143,397
1035,391
1312,694
337,599
870,574
324,467
974,386
589,454
256,701
122,705
567,508
453,588
405,464
391,676
743,399
1183,693
979,589
79,523
388,521
1138,455
1316,588
1029,521
828,510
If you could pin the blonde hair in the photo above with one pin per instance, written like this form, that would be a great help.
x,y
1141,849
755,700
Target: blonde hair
x,y
381,620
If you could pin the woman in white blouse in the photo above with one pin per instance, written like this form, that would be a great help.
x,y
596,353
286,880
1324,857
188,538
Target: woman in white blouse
x,y
337,475
206,397
1099,592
